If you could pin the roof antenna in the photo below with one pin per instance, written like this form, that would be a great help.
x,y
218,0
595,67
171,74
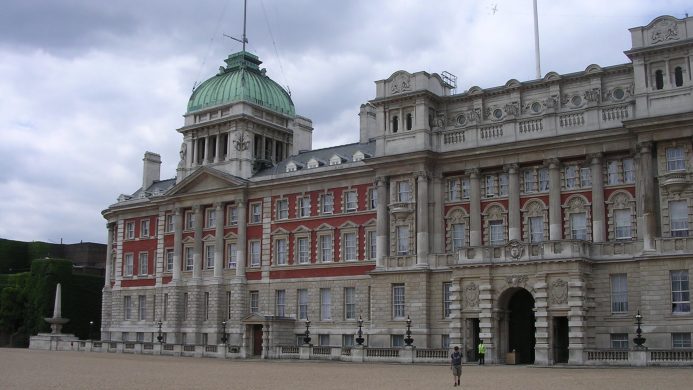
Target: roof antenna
x,y
245,38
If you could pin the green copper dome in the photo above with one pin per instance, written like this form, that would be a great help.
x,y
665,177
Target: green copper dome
x,y
242,80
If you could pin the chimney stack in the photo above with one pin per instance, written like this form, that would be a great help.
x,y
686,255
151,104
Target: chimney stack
x,y
152,169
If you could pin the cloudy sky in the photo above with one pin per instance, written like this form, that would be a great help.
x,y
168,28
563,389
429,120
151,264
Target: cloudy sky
x,y
88,86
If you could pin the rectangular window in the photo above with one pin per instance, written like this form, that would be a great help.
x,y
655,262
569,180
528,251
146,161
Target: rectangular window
x,y
496,235
141,307
304,206
324,340
447,299
445,341
232,215
536,229
543,180
169,223
585,177
397,340
254,301
678,217
144,263
231,255
403,191
570,177
209,256
453,189
349,303
490,185
302,304
255,212
282,209
529,180
189,220
347,340
325,304
127,307
169,260
327,203
503,184
280,300
612,170
458,236
628,170
189,262
211,217
254,253
372,242
129,264
619,341
372,198
680,292
681,340
578,226
349,242
280,251
622,224
619,293
398,311
303,250
325,248
402,234
351,201
675,159
206,305
144,228
130,230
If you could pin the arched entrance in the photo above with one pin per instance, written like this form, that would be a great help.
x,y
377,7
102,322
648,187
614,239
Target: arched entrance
x,y
520,325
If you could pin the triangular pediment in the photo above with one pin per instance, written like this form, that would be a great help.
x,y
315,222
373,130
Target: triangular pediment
x,y
205,180
301,229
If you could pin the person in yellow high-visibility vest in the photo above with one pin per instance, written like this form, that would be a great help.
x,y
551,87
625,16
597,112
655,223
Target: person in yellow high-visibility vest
x,y
482,351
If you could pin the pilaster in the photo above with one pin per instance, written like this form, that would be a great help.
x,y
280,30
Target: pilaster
x,y
382,242
514,221
422,220
555,220
598,214
474,207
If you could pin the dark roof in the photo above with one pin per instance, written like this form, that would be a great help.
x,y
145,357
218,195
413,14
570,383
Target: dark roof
x,y
157,188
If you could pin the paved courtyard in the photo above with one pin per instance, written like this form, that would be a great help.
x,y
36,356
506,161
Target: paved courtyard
x,y
25,369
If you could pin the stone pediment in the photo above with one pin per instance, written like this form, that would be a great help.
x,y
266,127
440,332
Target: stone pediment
x,y
206,180
257,318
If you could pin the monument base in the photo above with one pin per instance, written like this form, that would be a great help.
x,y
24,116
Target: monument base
x,y
53,342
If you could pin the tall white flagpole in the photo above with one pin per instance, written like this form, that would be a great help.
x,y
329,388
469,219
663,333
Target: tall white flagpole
x,y
536,41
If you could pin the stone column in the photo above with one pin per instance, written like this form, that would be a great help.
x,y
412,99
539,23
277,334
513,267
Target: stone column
x,y
474,208
189,153
541,323
438,217
109,255
514,221
205,159
555,220
646,193
241,244
422,219
598,215
217,147
219,241
194,153
382,237
177,243
198,248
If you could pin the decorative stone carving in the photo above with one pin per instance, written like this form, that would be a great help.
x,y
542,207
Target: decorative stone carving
x,y
515,249
471,295
474,115
241,142
512,108
593,95
664,30
558,293
401,83
516,280
551,101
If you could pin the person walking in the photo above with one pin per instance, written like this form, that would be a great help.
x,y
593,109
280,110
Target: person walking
x,y
456,366
482,352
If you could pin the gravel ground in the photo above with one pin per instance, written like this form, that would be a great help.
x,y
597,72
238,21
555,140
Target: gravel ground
x,y
25,369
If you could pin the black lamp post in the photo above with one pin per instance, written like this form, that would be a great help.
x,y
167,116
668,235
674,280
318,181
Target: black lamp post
x,y
408,340
638,340
224,339
306,338
91,330
160,337
359,339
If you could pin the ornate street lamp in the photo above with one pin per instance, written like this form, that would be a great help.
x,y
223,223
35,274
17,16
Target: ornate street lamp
x,y
408,340
638,340
306,338
91,331
160,337
224,339
359,339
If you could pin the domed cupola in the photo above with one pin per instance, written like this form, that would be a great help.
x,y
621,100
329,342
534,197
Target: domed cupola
x,y
242,80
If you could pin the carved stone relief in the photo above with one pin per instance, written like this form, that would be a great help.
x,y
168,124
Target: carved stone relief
x,y
664,30
516,280
515,249
471,295
558,293
401,83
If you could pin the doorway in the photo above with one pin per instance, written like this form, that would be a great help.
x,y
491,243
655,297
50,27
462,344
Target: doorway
x,y
560,340
521,329
472,350
257,340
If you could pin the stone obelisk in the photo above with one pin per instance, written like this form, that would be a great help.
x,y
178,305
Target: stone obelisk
x,y
56,340
57,321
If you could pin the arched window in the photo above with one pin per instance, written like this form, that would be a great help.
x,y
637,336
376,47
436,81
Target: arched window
x,y
678,76
409,121
395,124
659,79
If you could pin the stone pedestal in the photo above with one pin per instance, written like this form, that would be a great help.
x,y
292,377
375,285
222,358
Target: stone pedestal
x,y
637,358
53,342
304,352
406,355
358,354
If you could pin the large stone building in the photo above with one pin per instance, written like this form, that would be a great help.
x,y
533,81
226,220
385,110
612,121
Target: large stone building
x,y
537,216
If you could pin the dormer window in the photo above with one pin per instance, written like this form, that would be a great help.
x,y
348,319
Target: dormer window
x,y
335,160
358,156
313,163
291,167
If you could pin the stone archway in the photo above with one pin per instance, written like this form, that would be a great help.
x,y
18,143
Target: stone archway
x,y
518,325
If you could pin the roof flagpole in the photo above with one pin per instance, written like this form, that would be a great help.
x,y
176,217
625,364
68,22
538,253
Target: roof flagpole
x,y
244,39
536,41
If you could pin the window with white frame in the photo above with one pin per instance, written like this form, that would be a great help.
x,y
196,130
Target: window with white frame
x,y
302,296
619,293
302,250
282,208
371,245
543,179
281,251
397,340
210,217
454,189
619,341
372,198
141,307
503,184
578,226
496,235
231,255
678,218
529,180
209,256
681,340
402,236
622,224
254,253
127,307
327,201
490,185
144,263
458,236
613,176
325,243
130,230
254,301
570,177
350,201
349,245
347,340
255,212
280,301
129,264
585,177
232,215
398,303
675,159
447,299
349,303
304,206
169,260
465,188
325,304
403,191
680,292
169,226
189,220
144,228
189,262
628,170
536,229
